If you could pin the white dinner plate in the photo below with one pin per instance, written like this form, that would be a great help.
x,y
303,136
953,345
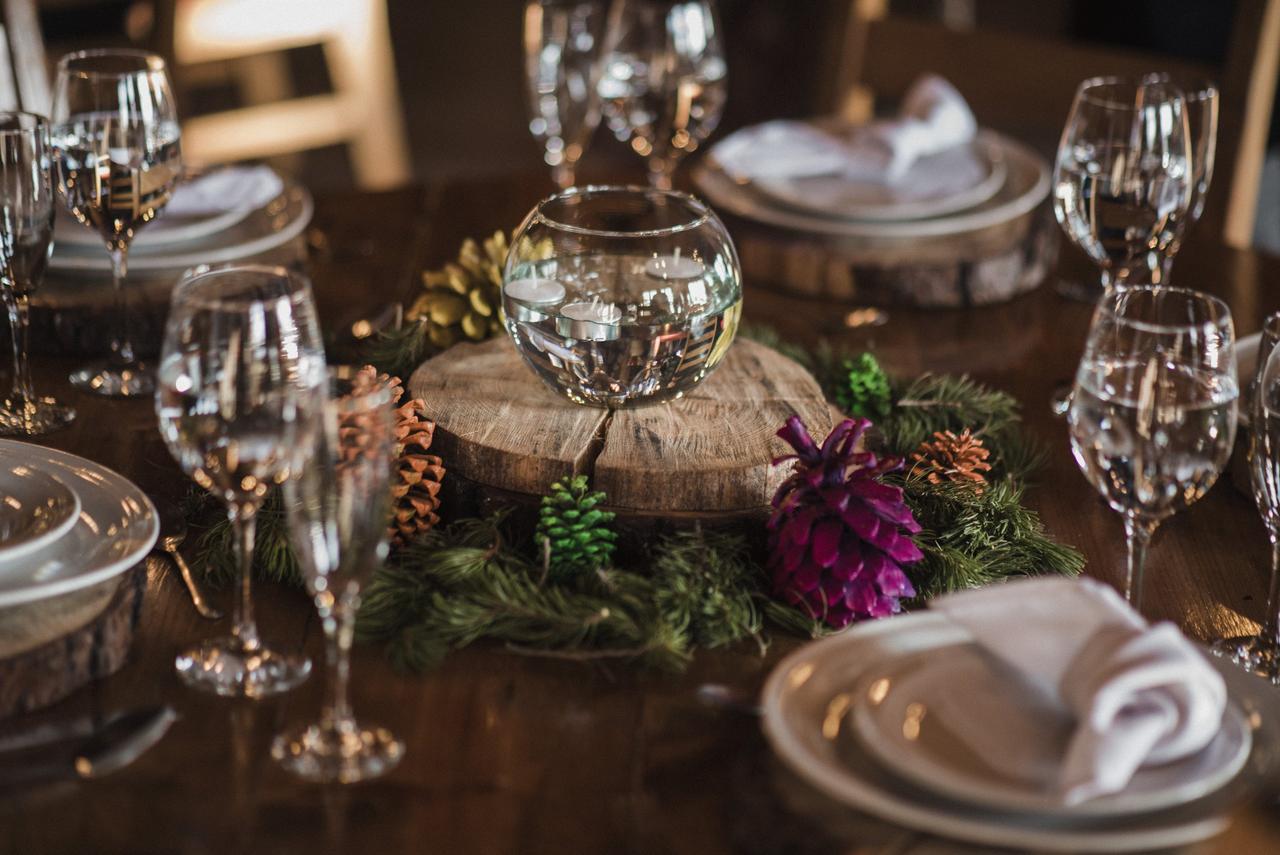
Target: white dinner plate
x,y
807,702
115,529
35,508
899,715
262,230
952,180
1026,185
167,230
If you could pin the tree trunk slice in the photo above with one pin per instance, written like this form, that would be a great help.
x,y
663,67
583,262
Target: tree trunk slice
x,y
707,454
50,648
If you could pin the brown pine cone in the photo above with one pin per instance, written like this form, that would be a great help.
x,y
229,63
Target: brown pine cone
x,y
948,457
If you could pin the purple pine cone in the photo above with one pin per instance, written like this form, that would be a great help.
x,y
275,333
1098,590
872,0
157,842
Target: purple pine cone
x,y
839,536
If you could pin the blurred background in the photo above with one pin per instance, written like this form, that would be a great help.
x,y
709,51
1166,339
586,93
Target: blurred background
x,y
448,77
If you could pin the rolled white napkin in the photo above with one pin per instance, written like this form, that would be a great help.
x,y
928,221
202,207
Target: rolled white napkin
x,y
1131,694
934,117
235,188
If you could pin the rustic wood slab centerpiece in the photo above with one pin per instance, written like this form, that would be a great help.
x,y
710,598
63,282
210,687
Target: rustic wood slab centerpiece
x,y
705,456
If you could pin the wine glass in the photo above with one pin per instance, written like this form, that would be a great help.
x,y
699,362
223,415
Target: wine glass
x,y
1124,175
240,377
26,232
1153,411
663,79
339,508
1261,653
118,156
1202,125
561,52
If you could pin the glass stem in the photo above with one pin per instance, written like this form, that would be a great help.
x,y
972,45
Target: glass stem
x,y
563,175
244,522
1271,625
1137,535
18,306
660,177
121,343
339,620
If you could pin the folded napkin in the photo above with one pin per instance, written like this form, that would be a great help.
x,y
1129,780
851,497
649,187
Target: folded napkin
x,y
236,188
934,117
1131,694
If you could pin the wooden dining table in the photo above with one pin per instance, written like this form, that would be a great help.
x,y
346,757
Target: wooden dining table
x,y
508,753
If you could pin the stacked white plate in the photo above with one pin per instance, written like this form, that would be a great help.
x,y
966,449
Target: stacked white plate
x,y
989,181
66,523
254,225
858,716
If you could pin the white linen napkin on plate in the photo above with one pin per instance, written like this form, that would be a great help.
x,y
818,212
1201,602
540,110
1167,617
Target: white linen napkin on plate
x,y
1138,694
934,117
235,188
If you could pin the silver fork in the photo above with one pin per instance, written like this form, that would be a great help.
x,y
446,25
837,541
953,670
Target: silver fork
x,y
173,530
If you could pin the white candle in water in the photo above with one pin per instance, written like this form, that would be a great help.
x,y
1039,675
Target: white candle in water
x,y
593,321
668,267
539,292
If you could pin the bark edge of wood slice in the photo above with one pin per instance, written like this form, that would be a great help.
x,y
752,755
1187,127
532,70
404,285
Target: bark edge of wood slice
x,y
710,452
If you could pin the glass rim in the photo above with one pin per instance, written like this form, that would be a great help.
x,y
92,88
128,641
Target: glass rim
x,y
150,62
1223,321
1082,91
39,122
702,213
192,278
1194,87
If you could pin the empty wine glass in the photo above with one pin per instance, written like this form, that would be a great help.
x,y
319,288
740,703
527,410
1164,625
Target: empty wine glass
x,y
339,508
1124,175
116,144
1202,125
241,373
1153,411
26,231
663,80
1261,653
561,52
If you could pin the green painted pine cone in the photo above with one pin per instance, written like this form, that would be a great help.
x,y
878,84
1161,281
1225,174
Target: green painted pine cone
x,y
865,393
579,532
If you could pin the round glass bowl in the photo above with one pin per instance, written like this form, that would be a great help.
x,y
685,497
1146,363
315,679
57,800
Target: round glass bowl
x,y
622,296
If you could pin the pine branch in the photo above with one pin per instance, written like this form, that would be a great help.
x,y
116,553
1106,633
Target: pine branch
x,y
398,352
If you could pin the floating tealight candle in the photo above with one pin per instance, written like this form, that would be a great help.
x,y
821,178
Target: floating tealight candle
x,y
672,267
593,321
532,299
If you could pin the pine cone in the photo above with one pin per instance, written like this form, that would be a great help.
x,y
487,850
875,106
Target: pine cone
x,y
415,487
578,532
865,393
948,457
461,302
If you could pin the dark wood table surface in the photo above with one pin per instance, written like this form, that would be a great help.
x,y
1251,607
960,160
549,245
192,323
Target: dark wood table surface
x,y
512,754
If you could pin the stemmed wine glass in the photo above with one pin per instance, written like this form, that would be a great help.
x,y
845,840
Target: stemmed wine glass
x,y
116,144
663,79
26,232
1153,411
241,375
561,51
1124,175
1261,653
1202,125
339,508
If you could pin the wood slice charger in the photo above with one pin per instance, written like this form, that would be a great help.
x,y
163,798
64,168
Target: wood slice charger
x,y
707,457
50,648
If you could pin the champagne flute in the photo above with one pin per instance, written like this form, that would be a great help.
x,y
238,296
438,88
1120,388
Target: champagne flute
x,y
339,507
561,50
1261,653
1123,176
1153,411
26,232
116,145
663,80
240,374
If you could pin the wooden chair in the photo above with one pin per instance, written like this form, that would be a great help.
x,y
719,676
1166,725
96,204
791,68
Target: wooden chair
x,y
363,112
24,72
1024,86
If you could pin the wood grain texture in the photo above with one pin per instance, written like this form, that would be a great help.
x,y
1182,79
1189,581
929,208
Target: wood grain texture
x,y
50,648
499,426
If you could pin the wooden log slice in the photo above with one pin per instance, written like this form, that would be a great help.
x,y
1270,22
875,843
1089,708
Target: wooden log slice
x,y
50,648
707,454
